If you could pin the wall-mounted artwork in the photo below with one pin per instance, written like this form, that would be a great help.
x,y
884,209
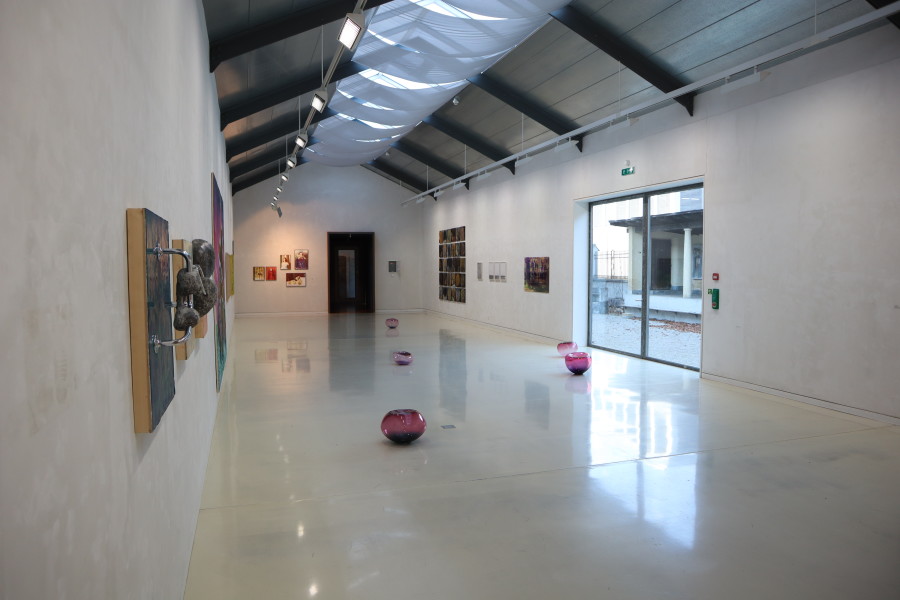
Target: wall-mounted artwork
x,y
295,279
285,261
497,272
149,303
271,274
301,260
537,274
218,235
259,273
452,264
185,350
229,265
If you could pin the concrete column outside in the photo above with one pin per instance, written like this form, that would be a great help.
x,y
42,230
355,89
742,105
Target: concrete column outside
x,y
686,279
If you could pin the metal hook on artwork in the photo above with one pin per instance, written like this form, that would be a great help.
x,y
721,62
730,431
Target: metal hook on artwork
x,y
196,293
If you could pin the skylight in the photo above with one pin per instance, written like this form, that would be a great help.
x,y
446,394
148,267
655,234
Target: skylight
x,y
441,7
398,82
361,101
371,124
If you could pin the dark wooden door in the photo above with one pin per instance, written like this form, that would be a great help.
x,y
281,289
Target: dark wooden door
x,y
351,272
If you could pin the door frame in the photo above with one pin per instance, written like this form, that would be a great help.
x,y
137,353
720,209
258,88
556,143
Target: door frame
x,y
644,196
365,267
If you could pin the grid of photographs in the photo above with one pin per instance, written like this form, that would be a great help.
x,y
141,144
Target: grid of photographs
x,y
452,264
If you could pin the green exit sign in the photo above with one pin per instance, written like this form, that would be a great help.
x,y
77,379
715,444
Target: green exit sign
x,y
628,171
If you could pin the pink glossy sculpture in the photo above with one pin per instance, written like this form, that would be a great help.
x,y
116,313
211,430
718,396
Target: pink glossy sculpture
x,y
578,362
403,425
392,322
402,357
565,347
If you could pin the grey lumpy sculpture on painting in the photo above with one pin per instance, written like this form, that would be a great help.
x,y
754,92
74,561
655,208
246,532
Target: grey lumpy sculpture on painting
x,y
204,259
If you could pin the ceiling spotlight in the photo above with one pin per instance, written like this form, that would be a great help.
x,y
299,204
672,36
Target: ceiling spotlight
x,y
279,189
437,193
523,160
563,145
274,204
352,29
278,210
284,177
320,99
291,161
455,100
302,139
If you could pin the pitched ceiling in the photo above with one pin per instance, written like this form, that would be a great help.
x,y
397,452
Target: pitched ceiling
x,y
591,60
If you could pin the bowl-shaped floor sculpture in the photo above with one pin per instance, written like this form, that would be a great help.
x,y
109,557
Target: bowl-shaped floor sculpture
x,y
578,362
391,323
566,347
402,357
403,425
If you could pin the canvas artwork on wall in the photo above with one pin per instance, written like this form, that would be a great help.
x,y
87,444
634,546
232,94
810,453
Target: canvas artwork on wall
x,y
218,235
271,274
452,264
537,274
149,298
301,260
229,260
285,262
497,272
259,273
295,279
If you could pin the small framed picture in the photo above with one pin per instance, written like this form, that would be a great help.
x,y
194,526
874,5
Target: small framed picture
x,y
301,260
271,274
295,279
259,273
392,266
285,262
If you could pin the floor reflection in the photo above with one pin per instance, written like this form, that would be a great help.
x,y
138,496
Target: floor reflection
x,y
646,422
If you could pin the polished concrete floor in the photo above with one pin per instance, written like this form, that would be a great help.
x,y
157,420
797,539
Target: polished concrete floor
x,y
636,481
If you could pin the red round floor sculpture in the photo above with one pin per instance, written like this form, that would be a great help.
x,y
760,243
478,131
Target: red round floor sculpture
x,y
403,425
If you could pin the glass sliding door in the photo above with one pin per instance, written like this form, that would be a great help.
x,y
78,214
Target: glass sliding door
x,y
617,230
646,275
676,267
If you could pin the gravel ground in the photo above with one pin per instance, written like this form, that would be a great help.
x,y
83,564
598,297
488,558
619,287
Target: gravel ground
x,y
671,341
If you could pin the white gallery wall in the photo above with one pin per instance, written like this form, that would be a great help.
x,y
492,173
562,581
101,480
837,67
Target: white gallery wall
x,y
106,106
319,199
802,207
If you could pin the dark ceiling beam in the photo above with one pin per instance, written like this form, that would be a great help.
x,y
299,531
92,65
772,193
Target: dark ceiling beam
x,y
894,18
427,158
255,178
279,29
531,109
270,98
472,140
614,45
391,172
288,124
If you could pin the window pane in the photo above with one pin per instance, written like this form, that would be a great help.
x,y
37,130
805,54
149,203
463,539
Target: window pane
x,y
675,272
617,275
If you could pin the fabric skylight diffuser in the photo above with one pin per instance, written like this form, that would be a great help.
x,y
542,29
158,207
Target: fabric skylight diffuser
x,y
419,54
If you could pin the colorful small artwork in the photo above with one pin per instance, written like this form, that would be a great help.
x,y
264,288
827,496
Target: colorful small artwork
x,y
537,274
295,279
271,274
301,260
285,262
218,231
259,273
